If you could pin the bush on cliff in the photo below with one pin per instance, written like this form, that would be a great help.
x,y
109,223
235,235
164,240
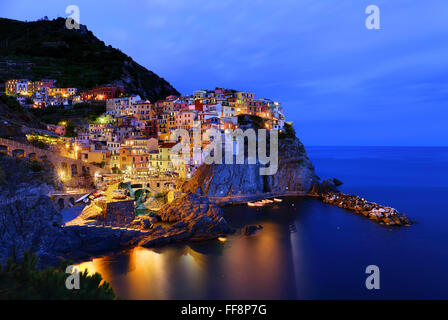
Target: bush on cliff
x,y
288,132
12,104
22,280
18,171
251,120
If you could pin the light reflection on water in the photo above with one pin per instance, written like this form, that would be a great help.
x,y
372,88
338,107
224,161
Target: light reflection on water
x,y
244,266
312,250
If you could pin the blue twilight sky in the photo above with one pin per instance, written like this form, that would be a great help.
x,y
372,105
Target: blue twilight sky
x,y
340,83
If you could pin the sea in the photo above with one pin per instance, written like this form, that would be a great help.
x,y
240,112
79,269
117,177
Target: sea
x,y
308,249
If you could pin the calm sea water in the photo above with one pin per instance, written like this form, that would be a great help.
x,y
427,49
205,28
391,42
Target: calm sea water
x,y
310,250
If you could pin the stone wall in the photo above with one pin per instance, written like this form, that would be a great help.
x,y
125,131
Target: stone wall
x,y
119,212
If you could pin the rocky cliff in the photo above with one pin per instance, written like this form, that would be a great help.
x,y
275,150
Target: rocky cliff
x,y
295,175
32,223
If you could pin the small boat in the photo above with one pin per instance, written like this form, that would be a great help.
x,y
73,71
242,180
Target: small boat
x,y
278,200
84,198
255,204
222,239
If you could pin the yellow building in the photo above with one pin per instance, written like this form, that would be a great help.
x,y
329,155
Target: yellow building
x,y
63,92
22,87
95,156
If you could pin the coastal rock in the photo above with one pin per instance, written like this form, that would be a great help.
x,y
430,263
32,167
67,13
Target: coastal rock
x,y
323,187
192,221
373,211
33,223
250,230
337,182
28,224
116,214
295,174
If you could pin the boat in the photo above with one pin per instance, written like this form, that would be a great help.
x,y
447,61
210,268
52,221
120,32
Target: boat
x,y
222,239
278,200
84,198
256,204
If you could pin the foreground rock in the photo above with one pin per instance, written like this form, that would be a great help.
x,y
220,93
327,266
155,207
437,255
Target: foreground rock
x,y
250,230
194,218
102,213
381,214
32,223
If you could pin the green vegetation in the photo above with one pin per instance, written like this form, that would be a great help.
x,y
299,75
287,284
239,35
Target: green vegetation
x,y
22,280
256,121
81,112
75,58
13,116
288,131
3,180
11,104
38,143
70,129
35,166
14,171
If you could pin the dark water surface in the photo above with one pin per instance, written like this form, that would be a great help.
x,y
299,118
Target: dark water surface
x,y
310,250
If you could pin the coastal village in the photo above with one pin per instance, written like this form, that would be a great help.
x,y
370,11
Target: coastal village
x,y
132,138
124,190
131,143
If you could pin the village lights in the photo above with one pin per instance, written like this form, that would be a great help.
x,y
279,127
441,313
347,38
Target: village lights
x,y
62,175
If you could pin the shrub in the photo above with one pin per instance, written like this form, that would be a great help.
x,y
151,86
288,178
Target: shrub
x,y
36,166
288,131
22,280
256,121
38,143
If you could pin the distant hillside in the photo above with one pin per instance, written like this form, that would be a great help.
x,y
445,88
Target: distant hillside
x,y
75,58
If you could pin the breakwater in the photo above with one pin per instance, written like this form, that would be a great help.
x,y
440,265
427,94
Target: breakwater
x,y
376,212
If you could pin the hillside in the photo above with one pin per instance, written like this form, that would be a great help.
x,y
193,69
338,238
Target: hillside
x,y
75,58
13,116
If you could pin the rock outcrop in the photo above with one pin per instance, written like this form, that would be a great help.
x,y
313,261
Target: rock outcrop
x,y
295,175
30,221
193,218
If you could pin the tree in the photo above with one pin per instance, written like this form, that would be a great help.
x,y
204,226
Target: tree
x,y
22,280
70,129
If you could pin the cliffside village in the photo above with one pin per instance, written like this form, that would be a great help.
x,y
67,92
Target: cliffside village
x,y
132,137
